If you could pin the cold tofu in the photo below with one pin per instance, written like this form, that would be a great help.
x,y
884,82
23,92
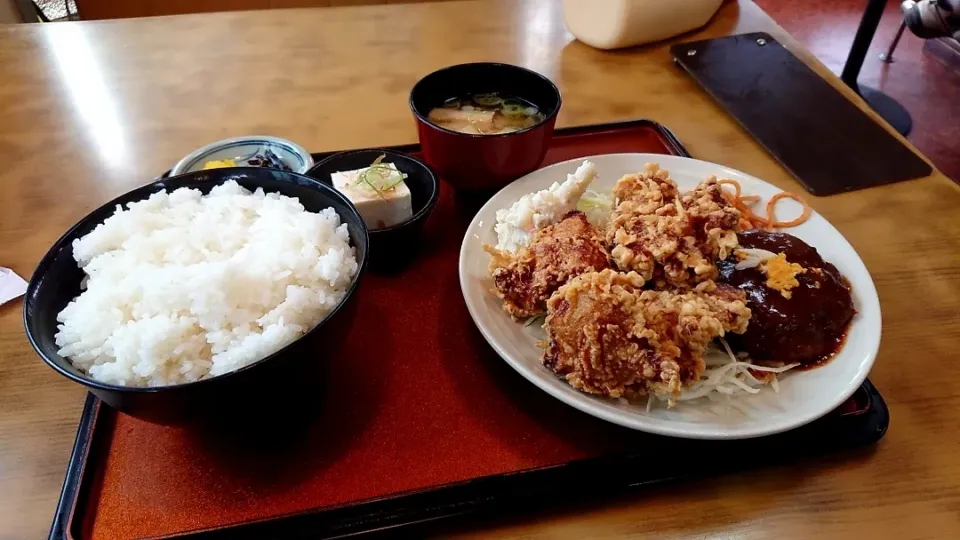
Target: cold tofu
x,y
381,196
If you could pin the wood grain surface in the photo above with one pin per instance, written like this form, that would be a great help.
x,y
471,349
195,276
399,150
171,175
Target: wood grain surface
x,y
91,110
111,9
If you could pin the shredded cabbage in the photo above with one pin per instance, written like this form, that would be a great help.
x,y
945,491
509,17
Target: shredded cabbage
x,y
597,206
536,319
533,327
726,375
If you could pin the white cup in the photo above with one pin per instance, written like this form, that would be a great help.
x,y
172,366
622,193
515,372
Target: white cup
x,y
612,24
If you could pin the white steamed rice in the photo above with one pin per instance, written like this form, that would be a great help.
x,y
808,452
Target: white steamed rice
x,y
183,286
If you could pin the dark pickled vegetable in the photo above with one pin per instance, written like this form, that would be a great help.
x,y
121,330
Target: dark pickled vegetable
x,y
267,158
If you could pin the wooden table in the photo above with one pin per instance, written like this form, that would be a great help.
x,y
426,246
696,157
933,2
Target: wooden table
x,y
111,9
90,110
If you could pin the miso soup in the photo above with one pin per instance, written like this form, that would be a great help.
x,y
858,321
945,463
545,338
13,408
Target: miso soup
x,y
485,114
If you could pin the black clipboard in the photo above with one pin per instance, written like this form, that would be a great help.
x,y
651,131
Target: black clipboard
x,y
812,129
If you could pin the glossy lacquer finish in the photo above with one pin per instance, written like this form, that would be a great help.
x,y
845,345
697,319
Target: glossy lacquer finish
x,y
264,386
405,389
484,162
89,111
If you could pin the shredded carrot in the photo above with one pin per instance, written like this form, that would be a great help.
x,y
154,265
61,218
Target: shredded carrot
x,y
749,219
753,221
734,183
796,221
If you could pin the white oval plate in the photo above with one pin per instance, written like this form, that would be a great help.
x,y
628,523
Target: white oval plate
x,y
804,396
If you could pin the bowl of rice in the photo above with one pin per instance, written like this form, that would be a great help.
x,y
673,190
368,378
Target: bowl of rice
x,y
200,291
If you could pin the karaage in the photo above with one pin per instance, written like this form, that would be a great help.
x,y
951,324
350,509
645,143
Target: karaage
x,y
526,279
607,336
669,239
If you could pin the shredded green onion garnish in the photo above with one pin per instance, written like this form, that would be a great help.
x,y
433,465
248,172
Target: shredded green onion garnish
x,y
487,100
513,109
382,172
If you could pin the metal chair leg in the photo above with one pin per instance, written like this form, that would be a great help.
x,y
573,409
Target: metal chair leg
x,y
884,105
888,56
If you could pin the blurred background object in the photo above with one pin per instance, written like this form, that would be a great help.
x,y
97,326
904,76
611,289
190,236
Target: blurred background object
x,y
114,9
58,10
614,24
924,79
9,12
31,11
20,11
887,107
932,18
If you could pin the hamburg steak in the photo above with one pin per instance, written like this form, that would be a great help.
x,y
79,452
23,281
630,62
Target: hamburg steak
x,y
804,321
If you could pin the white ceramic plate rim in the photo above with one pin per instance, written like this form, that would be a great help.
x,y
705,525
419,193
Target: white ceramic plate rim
x,y
867,322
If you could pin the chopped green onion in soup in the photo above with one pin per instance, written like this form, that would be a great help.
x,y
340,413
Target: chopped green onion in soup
x,y
487,100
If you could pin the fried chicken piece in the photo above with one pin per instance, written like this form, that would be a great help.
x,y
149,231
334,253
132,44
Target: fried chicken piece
x,y
526,280
713,219
669,239
607,336
648,229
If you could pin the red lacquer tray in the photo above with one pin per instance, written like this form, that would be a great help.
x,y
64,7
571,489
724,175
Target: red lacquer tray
x,y
419,419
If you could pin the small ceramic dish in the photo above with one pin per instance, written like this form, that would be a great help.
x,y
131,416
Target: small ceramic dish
x,y
250,151
390,246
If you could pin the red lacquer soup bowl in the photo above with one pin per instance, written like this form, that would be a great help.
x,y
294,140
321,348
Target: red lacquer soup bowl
x,y
484,161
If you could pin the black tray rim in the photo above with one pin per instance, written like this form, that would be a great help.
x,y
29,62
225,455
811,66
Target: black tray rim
x,y
670,140
488,493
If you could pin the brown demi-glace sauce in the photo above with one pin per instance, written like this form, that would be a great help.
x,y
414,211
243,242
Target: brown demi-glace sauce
x,y
810,326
